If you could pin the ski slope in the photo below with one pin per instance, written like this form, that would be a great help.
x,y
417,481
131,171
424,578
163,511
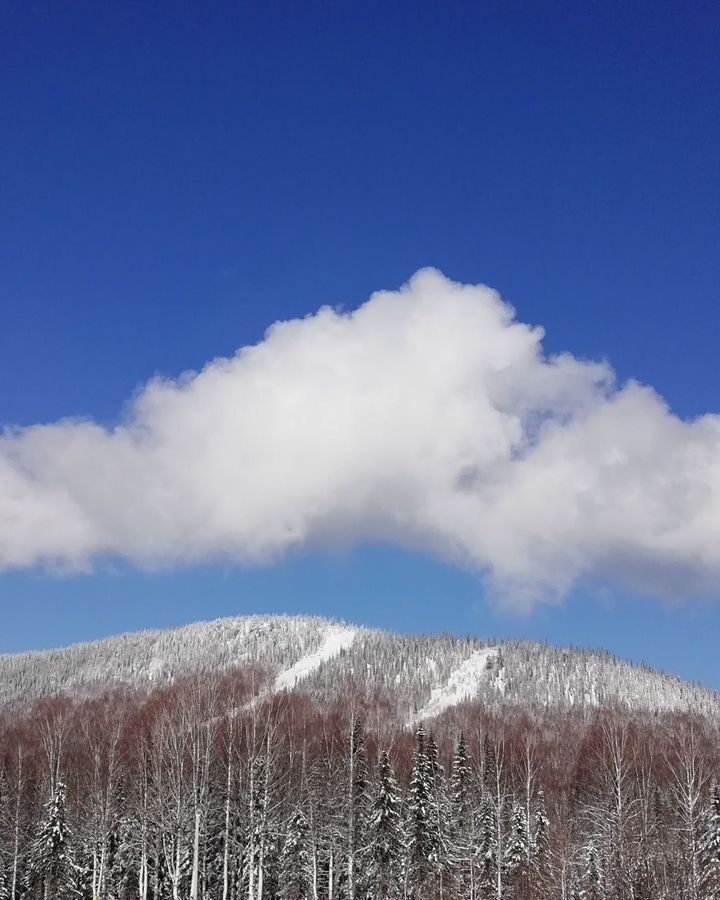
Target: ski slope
x,y
337,638
461,685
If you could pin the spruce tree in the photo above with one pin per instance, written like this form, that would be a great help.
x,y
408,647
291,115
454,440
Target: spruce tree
x,y
541,831
709,849
487,851
358,803
255,837
81,875
460,787
295,860
4,814
517,851
421,844
438,812
539,875
124,870
385,836
591,880
460,829
51,871
489,765
213,856
272,867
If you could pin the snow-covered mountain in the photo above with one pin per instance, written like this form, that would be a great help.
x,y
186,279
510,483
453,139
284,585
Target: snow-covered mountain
x,y
423,676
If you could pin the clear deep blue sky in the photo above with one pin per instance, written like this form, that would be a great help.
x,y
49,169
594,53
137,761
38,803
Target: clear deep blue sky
x,y
175,177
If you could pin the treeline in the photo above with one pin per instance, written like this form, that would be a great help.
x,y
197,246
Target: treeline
x,y
203,791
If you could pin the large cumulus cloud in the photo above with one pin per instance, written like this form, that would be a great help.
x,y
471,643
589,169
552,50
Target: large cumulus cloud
x,y
428,417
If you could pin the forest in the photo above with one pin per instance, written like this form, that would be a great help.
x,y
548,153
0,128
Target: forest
x,y
205,790
404,667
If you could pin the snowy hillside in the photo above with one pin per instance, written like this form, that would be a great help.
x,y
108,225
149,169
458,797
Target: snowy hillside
x,y
422,676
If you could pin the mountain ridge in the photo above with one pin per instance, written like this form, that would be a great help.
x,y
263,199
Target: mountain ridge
x,y
425,675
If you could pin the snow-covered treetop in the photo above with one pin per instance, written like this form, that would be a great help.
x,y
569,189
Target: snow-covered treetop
x,y
424,675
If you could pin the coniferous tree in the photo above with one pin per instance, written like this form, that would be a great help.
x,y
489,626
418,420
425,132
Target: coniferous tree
x,y
709,850
591,880
517,851
487,850
489,765
124,869
357,809
82,876
272,871
495,800
295,861
642,885
421,840
213,854
51,872
385,836
461,819
460,789
439,813
540,868
541,831
256,837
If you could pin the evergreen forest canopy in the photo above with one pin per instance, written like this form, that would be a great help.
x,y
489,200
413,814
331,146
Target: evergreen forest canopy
x,y
204,791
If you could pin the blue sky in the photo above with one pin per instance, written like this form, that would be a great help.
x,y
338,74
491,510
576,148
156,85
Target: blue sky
x,y
175,179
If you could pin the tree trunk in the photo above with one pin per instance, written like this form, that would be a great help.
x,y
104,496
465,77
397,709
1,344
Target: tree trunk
x,y
226,848
16,842
196,857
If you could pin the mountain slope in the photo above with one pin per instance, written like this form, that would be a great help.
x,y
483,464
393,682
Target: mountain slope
x,y
423,676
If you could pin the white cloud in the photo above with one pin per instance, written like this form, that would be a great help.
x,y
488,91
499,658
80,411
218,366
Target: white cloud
x,y
427,417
